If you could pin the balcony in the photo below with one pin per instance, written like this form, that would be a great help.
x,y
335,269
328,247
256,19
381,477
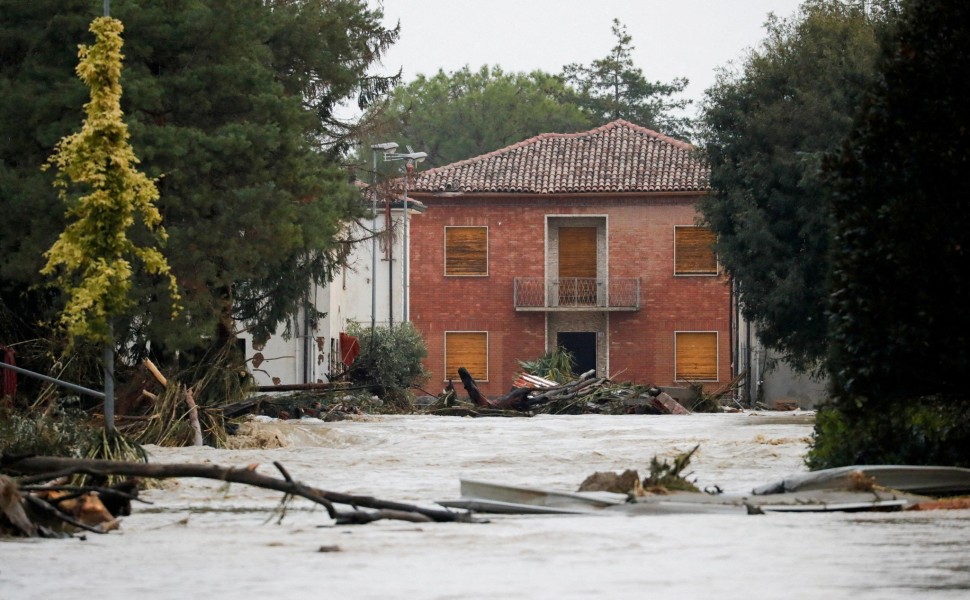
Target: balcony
x,y
577,294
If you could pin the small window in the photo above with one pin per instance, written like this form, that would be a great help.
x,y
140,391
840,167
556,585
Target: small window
x,y
696,355
466,251
467,349
694,251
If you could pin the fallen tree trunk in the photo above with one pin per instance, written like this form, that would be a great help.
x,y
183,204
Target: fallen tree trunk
x,y
585,395
243,407
50,467
474,394
514,400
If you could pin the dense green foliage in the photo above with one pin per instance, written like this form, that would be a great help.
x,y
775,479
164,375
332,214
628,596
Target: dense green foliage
x,y
765,129
901,253
465,113
613,88
902,211
453,116
230,106
917,431
389,362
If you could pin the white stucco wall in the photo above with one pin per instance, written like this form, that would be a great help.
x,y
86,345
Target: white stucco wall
x,y
306,356
772,380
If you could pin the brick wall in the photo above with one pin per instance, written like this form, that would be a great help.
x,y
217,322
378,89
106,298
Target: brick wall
x,y
640,244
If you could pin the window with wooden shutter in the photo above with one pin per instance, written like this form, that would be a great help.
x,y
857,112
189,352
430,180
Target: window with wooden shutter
x,y
467,349
696,355
466,251
694,251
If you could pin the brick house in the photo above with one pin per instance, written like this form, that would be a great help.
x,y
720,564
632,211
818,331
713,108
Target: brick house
x,y
586,241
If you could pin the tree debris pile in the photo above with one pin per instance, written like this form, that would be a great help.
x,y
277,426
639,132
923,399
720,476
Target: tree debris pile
x,y
664,478
158,409
586,394
668,477
325,406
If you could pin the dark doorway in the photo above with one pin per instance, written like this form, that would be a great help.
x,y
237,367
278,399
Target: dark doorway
x,y
582,345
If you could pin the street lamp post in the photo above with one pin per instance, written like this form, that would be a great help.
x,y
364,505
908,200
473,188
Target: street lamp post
x,y
412,158
385,147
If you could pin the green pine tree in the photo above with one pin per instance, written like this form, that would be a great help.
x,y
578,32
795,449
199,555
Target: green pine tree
x,y
613,87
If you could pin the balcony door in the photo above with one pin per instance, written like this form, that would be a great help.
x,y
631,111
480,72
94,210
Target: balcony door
x,y
577,266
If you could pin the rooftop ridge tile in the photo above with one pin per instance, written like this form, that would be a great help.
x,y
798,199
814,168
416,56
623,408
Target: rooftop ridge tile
x,y
616,157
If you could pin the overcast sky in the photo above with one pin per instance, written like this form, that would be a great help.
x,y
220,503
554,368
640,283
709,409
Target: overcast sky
x,y
672,38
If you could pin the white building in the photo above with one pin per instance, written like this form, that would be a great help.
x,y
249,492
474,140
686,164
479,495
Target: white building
x,y
312,352
768,379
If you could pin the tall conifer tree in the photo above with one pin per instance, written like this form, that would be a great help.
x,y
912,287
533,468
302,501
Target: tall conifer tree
x,y
232,107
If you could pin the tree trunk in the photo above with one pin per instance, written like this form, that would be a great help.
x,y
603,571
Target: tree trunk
x,y
517,399
51,467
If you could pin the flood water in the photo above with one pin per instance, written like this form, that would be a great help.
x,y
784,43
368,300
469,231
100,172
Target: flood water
x,y
202,540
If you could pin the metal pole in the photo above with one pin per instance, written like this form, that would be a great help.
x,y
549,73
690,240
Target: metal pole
x,y
109,382
307,337
390,267
373,250
109,350
385,147
73,387
410,157
404,252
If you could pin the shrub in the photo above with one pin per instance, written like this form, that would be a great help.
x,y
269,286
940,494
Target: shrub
x,y
69,433
390,362
932,430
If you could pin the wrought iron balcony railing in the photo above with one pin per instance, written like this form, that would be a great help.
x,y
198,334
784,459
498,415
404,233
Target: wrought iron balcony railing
x,y
577,293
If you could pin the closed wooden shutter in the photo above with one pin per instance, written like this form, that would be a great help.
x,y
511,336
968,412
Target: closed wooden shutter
x,y
466,251
694,251
577,262
467,349
577,252
696,356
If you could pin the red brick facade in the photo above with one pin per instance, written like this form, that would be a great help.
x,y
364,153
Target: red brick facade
x,y
613,196
639,243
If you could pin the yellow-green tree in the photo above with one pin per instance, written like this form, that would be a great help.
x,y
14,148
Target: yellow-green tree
x,y
106,196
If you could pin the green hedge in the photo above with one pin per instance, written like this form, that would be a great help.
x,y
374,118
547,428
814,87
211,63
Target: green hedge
x,y
931,430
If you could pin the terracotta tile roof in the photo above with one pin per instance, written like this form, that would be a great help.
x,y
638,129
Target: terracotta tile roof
x,y
617,157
